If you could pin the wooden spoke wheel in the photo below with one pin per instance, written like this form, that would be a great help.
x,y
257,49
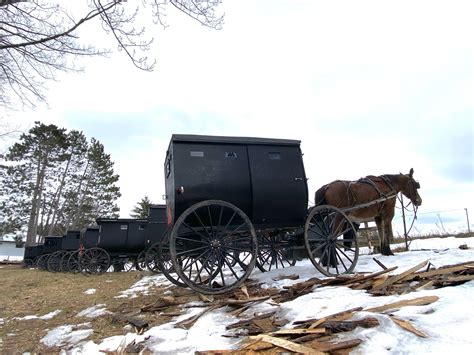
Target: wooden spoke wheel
x,y
164,263
94,261
213,247
28,263
331,240
151,258
42,262
73,262
54,261
64,260
140,261
274,252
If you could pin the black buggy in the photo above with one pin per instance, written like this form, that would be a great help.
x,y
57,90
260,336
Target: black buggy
x,y
120,242
234,203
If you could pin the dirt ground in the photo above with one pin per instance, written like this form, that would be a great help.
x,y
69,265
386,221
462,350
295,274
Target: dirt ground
x,y
27,292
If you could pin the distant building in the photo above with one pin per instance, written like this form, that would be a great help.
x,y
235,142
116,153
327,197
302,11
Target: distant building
x,y
9,249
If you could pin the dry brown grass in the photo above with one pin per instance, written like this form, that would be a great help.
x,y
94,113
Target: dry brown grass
x,y
32,292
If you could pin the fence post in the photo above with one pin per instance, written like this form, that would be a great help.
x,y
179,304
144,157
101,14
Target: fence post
x,y
468,226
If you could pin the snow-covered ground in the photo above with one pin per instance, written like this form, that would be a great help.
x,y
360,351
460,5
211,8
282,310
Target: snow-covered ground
x,y
448,322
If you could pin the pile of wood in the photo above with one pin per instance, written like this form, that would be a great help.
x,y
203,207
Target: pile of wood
x,y
267,333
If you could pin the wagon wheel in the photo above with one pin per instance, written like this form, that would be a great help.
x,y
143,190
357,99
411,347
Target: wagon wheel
x,y
42,262
151,258
28,263
54,261
73,262
94,261
140,261
64,260
164,263
330,240
205,241
274,252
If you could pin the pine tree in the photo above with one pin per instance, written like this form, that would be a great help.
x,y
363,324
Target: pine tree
x,y
142,209
56,181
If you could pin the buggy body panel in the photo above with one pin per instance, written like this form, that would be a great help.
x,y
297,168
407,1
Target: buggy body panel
x,y
264,177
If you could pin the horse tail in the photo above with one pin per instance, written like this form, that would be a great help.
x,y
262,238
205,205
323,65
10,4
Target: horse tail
x,y
320,196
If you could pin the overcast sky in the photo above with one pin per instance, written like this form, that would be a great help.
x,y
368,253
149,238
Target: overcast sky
x,y
369,87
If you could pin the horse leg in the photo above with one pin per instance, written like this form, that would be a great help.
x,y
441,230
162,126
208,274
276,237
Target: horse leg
x,y
378,222
350,236
385,239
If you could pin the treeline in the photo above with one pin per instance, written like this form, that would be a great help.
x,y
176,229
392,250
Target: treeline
x,y
53,180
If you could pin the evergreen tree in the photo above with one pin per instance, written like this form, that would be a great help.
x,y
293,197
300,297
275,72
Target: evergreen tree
x,y
142,208
53,181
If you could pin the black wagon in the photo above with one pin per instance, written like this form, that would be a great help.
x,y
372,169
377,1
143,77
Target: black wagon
x,y
58,261
119,243
236,202
51,245
31,254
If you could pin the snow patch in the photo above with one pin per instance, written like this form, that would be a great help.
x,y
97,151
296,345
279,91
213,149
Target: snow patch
x,y
90,291
65,334
45,317
93,312
143,286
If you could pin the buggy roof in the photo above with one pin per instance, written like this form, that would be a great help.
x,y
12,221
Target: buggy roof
x,y
121,220
193,138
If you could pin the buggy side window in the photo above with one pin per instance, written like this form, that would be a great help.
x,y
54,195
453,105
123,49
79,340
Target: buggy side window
x,y
168,166
123,227
196,154
274,155
141,227
231,155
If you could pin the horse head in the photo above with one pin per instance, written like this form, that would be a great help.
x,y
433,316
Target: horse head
x,y
410,189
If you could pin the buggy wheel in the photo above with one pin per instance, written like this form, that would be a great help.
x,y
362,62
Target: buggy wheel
x,y
331,241
28,263
274,252
73,262
164,263
151,258
64,260
42,262
94,261
140,261
206,240
54,261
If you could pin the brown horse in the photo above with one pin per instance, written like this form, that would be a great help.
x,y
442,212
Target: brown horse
x,y
355,199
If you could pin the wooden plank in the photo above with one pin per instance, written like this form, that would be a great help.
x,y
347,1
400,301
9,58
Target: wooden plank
x,y
421,301
321,320
289,345
330,347
441,271
408,326
395,278
299,331
371,276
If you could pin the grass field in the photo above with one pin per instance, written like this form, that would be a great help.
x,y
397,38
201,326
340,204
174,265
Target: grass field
x,y
29,292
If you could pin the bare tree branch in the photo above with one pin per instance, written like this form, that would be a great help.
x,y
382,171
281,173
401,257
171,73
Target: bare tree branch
x,y
38,39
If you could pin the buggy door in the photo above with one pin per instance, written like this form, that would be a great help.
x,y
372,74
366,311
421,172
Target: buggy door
x,y
280,192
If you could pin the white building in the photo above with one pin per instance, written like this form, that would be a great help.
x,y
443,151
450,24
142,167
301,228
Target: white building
x,y
9,249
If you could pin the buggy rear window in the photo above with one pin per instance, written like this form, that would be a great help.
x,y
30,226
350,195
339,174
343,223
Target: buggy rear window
x,y
274,156
123,227
196,154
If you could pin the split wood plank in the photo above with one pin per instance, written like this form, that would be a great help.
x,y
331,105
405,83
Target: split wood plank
x,y
441,271
408,326
314,322
421,301
395,278
330,347
299,331
289,345
249,321
356,280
